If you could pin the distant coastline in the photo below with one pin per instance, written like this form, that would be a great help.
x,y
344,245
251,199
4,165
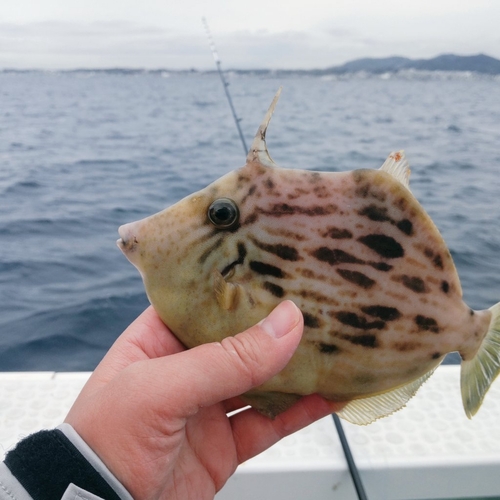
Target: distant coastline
x,y
480,64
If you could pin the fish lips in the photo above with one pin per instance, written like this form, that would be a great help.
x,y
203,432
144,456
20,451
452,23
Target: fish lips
x,y
128,241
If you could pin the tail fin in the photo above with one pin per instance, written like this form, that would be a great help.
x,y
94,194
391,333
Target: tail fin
x,y
478,374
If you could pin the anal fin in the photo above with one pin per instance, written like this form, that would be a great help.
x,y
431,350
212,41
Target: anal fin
x,y
367,410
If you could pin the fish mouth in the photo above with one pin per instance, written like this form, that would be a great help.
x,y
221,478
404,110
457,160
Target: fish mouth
x,y
128,241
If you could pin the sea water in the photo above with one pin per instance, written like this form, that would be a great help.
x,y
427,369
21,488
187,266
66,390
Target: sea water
x,y
82,153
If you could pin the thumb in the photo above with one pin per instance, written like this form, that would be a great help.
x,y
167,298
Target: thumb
x,y
218,371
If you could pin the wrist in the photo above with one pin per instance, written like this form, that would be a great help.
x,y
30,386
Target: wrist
x,y
48,462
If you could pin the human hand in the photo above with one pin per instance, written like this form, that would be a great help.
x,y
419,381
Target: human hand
x,y
156,414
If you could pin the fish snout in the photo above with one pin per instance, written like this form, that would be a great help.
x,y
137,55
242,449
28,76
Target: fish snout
x,y
128,240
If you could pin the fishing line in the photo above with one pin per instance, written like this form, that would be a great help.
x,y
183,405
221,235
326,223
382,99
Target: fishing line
x,y
225,84
353,469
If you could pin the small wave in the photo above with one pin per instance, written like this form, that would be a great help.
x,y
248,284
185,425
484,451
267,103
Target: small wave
x,y
204,104
73,338
22,187
43,226
112,162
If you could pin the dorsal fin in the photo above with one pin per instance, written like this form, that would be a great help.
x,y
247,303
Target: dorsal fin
x,y
258,150
397,165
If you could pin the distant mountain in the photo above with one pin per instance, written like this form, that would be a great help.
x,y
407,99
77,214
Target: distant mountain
x,y
480,63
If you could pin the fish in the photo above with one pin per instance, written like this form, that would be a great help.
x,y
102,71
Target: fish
x,y
355,251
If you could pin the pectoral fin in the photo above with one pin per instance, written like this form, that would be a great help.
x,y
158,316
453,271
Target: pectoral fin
x,y
226,293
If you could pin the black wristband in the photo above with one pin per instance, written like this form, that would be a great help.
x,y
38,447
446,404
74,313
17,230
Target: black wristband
x,y
46,463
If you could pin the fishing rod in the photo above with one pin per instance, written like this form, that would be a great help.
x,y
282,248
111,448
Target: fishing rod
x,y
353,470
225,84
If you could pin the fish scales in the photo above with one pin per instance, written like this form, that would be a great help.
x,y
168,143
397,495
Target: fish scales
x,y
377,286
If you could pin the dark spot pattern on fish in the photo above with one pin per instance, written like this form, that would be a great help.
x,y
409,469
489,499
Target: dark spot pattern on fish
x,y
204,256
357,278
232,229
243,179
284,252
367,191
438,261
338,234
242,253
334,256
362,191
406,346
268,183
366,340
385,246
317,297
284,209
360,175
380,214
274,289
375,213
320,191
314,177
297,193
250,193
401,203
436,355
208,236
292,235
383,312
251,218
380,266
413,283
328,348
427,324
405,226
352,319
445,286
311,321
266,269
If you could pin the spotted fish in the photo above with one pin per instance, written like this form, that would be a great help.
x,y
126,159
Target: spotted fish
x,y
377,286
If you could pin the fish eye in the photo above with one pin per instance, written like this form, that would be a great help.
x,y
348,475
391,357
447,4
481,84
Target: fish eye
x,y
223,213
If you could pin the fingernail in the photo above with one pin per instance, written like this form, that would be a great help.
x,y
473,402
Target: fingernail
x,y
281,320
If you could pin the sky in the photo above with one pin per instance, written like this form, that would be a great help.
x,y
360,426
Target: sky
x,y
274,34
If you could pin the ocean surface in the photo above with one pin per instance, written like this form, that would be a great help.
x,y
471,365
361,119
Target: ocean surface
x,y
82,153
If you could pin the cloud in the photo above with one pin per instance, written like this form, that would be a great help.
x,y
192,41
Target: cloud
x,y
73,45
54,45
108,44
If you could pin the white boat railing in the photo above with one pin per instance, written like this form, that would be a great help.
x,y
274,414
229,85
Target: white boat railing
x,y
429,450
